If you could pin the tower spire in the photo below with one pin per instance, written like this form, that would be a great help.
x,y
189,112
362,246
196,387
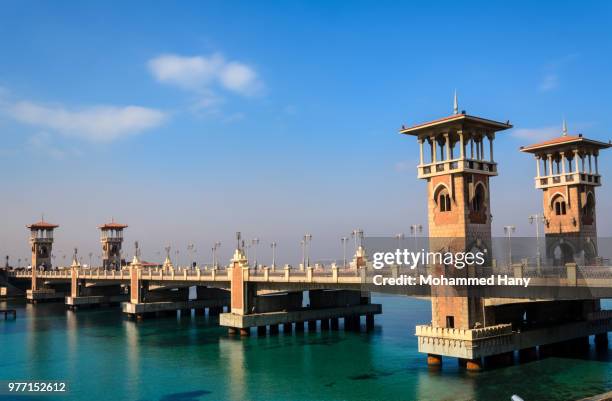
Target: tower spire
x,y
455,104
564,128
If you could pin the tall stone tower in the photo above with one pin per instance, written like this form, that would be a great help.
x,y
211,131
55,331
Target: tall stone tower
x,y
567,172
457,164
111,238
41,240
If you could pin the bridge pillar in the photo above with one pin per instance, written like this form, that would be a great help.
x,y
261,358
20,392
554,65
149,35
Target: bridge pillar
x,y
601,341
528,354
434,360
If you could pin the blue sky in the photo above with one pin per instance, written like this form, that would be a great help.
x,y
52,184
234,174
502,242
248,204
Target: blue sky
x,y
277,118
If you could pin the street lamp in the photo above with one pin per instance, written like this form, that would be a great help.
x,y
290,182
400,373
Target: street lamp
x,y
255,242
399,237
357,234
307,240
216,246
303,244
273,246
537,218
190,249
344,240
509,230
415,229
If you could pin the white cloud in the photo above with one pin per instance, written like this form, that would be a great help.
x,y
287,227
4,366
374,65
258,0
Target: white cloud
x,y
98,123
550,82
537,134
43,143
198,73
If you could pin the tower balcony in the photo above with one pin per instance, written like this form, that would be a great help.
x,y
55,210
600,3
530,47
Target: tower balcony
x,y
457,166
568,179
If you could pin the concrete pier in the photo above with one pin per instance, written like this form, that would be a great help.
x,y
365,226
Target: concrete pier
x,y
306,315
44,295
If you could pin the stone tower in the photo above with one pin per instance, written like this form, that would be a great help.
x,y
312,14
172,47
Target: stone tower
x,y
111,238
41,240
456,162
567,172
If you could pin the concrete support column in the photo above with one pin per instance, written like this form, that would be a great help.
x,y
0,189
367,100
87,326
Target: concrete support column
x,y
287,328
528,354
596,164
434,360
537,158
462,145
590,165
369,322
504,359
601,341
491,138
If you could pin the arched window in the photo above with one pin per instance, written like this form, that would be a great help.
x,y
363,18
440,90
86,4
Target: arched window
x,y
478,199
559,205
443,199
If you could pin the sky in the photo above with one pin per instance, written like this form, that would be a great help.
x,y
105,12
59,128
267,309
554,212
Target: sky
x,y
191,121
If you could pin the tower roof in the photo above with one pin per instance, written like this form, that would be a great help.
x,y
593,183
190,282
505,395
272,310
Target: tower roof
x,y
458,120
112,226
42,225
563,141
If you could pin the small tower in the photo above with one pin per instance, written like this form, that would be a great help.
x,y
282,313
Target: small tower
x,y
41,240
457,164
111,239
567,172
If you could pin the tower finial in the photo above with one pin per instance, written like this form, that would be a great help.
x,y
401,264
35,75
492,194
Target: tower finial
x,y
564,128
455,104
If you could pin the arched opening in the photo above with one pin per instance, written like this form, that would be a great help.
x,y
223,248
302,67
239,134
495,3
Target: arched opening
x,y
562,253
588,211
442,199
478,200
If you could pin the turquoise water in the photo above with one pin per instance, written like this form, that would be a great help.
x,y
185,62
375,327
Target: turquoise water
x,y
102,356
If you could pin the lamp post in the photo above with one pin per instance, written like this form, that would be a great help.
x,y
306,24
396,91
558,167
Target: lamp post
x,y
307,240
216,246
273,246
399,237
255,243
357,234
190,249
537,218
415,229
303,244
509,230
344,241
